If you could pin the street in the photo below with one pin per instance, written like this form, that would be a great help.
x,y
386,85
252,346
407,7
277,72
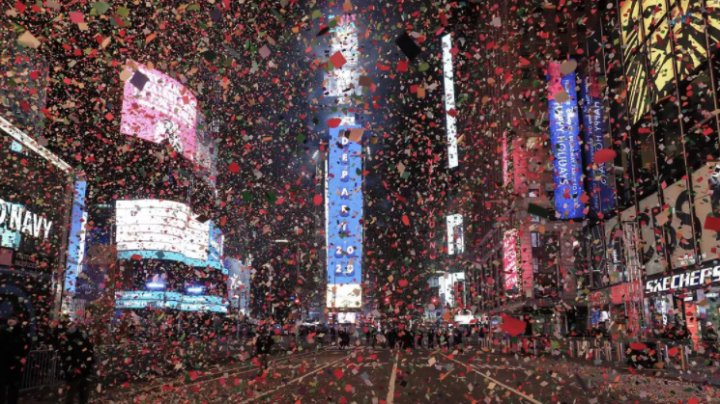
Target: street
x,y
366,375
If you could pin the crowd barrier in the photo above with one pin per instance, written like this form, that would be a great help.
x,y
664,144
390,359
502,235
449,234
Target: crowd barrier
x,y
41,370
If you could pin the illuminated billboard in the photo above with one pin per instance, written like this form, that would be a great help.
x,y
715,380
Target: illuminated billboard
x,y
455,238
564,142
166,230
35,205
510,260
157,108
76,239
343,79
602,197
450,112
344,214
169,300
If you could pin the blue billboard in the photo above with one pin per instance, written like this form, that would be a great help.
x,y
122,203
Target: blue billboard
x,y
76,238
564,131
602,198
344,214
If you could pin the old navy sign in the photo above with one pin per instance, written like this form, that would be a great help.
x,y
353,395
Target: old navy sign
x,y
344,199
564,131
686,280
602,198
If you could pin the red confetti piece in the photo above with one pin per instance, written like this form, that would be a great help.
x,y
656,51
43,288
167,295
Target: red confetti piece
x,y
338,60
604,155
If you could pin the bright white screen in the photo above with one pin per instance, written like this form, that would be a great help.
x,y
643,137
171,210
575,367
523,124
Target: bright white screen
x,y
155,225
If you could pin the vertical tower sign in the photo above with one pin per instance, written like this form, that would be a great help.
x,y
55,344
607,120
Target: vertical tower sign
x,y
564,131
344,213
450,113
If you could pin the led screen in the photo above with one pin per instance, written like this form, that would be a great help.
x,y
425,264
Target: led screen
x,y
449,85
169,300
76,238
510,260
166,230
602,198
344,213
343,82
564,130
157,108
455,238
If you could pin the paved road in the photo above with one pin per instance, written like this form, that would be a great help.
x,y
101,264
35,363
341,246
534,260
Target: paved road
x,y
364,375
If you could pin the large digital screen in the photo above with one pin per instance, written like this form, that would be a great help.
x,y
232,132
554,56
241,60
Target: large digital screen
x,y
76,238
143,299
455,237
166,230
602,197
510,260
344,81
157,108
344,214
564,131
450,112
448,282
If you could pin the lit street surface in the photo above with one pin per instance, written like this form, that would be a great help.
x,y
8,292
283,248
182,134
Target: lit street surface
x,y
366,375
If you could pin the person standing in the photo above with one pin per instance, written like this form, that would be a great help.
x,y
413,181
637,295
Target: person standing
x,y
14,347
77,356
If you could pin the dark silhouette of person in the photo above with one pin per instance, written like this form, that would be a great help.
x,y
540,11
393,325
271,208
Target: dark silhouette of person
x,y
77,356
14,346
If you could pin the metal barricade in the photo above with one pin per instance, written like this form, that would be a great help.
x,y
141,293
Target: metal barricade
x,y
41,370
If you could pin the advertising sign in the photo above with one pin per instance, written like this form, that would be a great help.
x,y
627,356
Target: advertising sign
x,y
450,112
76,239
448,282
170,300
239,283
34,203
158,108
689,279
455,238
344,214
602,198
510,261
166,230
344,81
564,130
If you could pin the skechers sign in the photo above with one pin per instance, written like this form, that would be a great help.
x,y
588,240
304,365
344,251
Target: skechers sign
x,y
564,130
686,280
344,213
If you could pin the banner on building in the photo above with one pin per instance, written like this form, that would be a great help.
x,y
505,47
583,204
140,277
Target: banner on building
x,y
344,215
564,131
602,197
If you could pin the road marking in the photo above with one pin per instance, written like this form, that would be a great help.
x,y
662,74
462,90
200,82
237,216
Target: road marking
x,y
210,377
393,375
498,382
297,379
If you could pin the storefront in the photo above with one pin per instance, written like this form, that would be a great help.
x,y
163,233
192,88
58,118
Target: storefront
x,y
683,302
